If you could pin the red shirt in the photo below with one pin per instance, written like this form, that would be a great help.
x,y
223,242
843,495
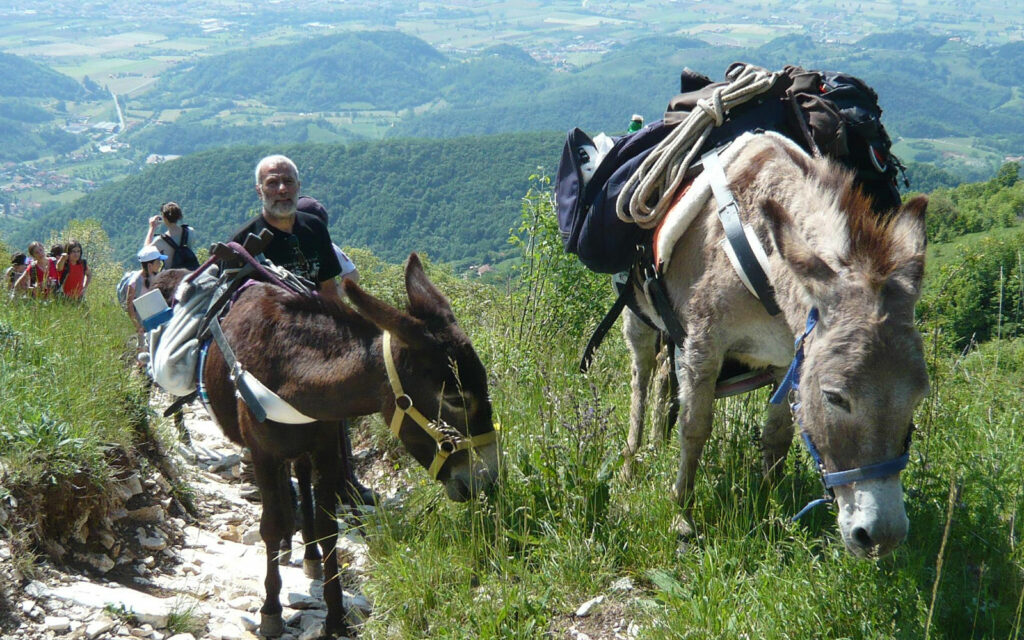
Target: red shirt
x,y
75,280
42,282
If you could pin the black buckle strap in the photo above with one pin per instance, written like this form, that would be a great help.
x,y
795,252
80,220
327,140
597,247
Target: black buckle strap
x,y
728,213
179,403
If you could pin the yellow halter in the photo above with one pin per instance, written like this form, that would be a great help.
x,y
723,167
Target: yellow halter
x,y
448,439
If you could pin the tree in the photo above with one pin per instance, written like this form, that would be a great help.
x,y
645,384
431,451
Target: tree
x,y
1008,174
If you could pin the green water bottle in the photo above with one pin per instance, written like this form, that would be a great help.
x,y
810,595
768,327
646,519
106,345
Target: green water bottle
x,y
636,123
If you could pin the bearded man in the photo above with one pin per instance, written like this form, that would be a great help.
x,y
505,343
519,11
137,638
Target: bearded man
x,y
301,243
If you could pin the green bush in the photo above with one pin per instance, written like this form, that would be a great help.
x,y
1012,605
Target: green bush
x,y
979,293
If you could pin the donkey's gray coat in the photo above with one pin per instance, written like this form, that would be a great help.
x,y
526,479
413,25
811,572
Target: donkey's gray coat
x,y
864,372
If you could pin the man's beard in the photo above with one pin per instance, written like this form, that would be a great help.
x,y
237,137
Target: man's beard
x,y
280,209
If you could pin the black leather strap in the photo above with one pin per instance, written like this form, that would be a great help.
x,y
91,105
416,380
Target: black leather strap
x,y
179,403
602,328
728,213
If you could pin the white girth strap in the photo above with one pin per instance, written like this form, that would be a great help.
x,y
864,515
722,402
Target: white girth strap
x,y
278,409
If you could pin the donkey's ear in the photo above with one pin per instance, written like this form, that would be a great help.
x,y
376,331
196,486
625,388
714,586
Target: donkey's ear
x,y
406,328
909,243
810,269
425,299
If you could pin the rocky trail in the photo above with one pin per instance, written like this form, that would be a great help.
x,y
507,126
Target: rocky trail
x,y
150,570
172,577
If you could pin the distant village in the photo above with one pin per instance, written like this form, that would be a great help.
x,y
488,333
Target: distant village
x,y
18,178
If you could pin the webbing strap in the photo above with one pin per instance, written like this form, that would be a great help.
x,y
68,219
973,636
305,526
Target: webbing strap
x,y
663,306
728,214
235,371
791,380
603,327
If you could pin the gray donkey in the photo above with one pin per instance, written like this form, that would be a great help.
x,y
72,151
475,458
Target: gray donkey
x,y
862,371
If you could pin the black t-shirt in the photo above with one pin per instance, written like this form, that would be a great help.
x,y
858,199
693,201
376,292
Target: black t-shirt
x,y
306,251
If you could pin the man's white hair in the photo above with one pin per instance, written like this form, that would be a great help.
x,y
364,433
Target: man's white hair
x,y
272,160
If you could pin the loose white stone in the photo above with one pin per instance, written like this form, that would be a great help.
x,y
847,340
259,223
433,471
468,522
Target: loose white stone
x,y
98,561
227,631
98,626
303,602
252,536
587,607
58,624
242,603
149,514
36,589
225,463
127,488
248,623
107,540
146,608
314,631
152,543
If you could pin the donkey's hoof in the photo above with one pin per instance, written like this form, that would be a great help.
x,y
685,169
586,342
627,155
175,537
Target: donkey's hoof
x,y
313,568
271,625
682,528
284,557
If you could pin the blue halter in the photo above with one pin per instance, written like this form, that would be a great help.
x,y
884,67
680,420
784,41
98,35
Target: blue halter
x,y
791,382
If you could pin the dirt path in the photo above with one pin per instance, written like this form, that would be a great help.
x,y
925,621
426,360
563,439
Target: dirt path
x,y
185,580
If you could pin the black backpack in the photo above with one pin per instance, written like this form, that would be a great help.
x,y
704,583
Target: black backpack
x,y
183,257
827,113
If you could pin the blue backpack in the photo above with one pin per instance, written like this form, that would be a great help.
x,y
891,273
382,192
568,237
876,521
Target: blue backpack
x,y
122,286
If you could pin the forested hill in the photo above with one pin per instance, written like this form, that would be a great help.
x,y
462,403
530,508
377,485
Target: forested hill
x,y
24,128
26,79
929,86
454,200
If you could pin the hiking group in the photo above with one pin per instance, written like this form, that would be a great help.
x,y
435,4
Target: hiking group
x,y
63,273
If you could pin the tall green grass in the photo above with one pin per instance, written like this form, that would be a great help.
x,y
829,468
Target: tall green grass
x,y
70,404
563,528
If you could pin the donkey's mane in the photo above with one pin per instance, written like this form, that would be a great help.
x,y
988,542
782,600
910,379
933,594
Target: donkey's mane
x,y
872,237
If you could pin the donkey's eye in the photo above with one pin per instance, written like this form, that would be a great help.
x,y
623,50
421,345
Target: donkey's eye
x,y
458,401
836,399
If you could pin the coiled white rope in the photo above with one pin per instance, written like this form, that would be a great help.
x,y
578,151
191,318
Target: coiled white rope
x,y
664,169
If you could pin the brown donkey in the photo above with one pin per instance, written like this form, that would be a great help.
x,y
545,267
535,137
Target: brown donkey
x,y
863,371
331,363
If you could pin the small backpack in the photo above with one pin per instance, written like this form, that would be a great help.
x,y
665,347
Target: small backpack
x,y
183,257
122,287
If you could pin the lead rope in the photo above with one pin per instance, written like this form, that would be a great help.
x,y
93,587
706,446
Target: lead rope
x,y
664,169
